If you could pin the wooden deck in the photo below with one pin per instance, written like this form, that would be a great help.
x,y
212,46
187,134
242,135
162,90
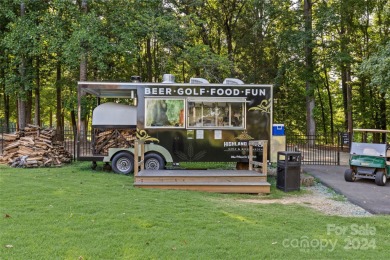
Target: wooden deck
x,y
223,181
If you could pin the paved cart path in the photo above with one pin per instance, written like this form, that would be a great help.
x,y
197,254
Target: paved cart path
x,y
364,193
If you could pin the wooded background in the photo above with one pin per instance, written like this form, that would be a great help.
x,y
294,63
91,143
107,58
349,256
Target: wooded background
x,y
329,60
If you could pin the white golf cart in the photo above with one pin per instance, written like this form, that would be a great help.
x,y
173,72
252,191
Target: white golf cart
x,y
369,156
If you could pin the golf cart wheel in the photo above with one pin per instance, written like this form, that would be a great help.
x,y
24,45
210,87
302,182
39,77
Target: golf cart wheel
x,y
123,163
154,161
349,175
380,179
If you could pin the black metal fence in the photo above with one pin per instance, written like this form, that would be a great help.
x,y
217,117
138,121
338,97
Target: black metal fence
x,y
68,139
317,149
86,145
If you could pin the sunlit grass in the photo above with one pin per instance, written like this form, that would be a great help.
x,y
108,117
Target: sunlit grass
x,y
76,213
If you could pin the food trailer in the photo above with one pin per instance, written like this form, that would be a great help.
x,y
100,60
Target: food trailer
x,y
179,122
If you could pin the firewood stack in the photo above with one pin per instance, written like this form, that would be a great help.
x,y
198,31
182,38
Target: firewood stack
x,y
33,147
108,138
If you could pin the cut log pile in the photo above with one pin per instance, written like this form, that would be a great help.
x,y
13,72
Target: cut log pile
x,y
33,147
112,138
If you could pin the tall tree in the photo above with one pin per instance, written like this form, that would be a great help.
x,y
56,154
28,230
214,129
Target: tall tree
x,y
309,65
345,25
83,76
22,120
4,64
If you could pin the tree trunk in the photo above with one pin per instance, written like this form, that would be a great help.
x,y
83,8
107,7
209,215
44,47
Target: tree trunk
x,y
29,107
382,120
83,77
349,100
22,73
322,111
6,112
59,127
149,60
345,69
229,41
5,98
21,109
156,62
37,114
50,118
74,124
327,86
139,62
310,122
344,88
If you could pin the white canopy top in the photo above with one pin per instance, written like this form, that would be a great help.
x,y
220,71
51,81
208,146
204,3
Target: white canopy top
x,y
113,114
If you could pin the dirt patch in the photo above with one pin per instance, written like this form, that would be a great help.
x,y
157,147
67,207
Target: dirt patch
x,y
322,199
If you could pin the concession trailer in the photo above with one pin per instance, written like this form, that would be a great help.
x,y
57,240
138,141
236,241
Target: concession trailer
x,y
179,122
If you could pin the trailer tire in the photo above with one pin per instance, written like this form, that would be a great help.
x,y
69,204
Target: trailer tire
x,y
154,161
123,163
380,179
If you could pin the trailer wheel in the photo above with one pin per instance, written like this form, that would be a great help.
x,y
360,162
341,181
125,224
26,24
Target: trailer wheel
x,y
380,179
154,161
349,175
123,163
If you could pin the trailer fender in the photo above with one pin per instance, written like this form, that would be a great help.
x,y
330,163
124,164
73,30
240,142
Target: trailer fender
x,y
159,149
148,148
113,151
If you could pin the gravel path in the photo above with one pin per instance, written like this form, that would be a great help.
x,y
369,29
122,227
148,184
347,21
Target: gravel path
x,y
322,199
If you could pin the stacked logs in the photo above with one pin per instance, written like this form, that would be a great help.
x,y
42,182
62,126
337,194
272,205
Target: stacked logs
x,y
33,147
112,138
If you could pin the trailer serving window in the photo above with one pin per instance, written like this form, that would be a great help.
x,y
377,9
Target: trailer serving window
x,y
208,113
164,113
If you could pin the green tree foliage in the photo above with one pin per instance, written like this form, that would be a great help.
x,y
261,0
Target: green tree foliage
x,y
258,41
377,68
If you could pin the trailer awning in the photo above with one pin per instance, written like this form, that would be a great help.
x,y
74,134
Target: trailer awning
x,y
109,89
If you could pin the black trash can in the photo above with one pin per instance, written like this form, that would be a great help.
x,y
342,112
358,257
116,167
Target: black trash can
x,y
288,171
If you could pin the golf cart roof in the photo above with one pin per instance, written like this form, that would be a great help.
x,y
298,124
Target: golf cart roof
x,y
372,130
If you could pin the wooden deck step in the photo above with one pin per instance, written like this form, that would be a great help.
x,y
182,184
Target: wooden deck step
x,y
223,181
223,187
195,176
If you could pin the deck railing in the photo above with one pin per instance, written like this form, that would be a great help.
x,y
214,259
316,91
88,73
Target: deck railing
x,y
263,164
139,151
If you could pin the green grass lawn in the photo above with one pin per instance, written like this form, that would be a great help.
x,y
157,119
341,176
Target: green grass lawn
x,y
76,213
